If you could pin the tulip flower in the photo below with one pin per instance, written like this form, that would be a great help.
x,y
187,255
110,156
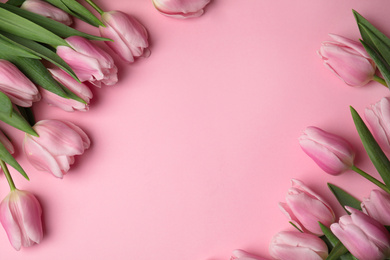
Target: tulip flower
x,y
20,215
20,90
89,62
54,150
377,206
288,245
378,117
243,255
67,104
331,152
130,36
181,8
348,60
45,9
305,208
363,236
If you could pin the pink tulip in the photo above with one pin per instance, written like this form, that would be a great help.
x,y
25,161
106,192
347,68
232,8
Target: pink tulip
x,y
181,8
6,142
67,104
54,150
363,236
45,9
130,36
20,90
20,215
243,255
348,60
331,152
288,245
377,206
305,208
89,62
378,117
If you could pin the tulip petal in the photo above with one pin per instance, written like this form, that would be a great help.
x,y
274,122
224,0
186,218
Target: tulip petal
x,y
10,225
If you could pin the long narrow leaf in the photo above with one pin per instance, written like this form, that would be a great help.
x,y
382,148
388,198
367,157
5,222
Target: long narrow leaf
x,y
15,2
8,47
377,156
9,159
344,198
18,25
337,252
5,104
53,26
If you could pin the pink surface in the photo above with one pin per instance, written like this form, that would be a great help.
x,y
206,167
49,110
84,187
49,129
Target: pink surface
x,y
195,146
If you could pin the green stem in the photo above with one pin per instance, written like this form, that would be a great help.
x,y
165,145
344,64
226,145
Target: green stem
x,y
380,80
95,6
371,179
7,175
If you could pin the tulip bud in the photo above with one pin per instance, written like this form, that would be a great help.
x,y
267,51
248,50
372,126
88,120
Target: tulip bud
x,y
243,255
348,60
67,104
377,206
20,90
181,8
331,152
305,208
89,62
45,9
54,150
288,245
378,117
363,236
130,36
20,215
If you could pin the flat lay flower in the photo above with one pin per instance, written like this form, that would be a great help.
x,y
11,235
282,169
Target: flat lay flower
x,y
130,38
20,90
331,152
378,117
45,9
239,254
377,206
20,215
288,245
305,208
54,150
348,60
363,236
89,62
181,8
67,104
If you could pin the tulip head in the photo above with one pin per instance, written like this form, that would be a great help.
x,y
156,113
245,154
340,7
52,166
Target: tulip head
x,y
20,215
239,254
377,206
331,152
305,208
67,104
89,62
288,245
54,150
363,236
181,8
378,117
45,9
348,60
20,90
130,38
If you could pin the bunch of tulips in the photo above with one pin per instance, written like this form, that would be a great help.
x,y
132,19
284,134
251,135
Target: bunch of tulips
x,y
364,232
43,58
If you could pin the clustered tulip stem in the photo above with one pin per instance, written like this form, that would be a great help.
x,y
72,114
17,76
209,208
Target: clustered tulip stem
x,y
95,6
380,80
7,175
371,179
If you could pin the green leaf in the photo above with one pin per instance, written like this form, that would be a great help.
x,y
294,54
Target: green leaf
x,y
28,114
12,117
337,251
15,24
8,47
295,226
55,27
15,2
344,198
40,51
379,44
377,156
9,159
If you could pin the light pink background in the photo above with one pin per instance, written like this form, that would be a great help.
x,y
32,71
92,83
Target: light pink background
x,y
196,145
